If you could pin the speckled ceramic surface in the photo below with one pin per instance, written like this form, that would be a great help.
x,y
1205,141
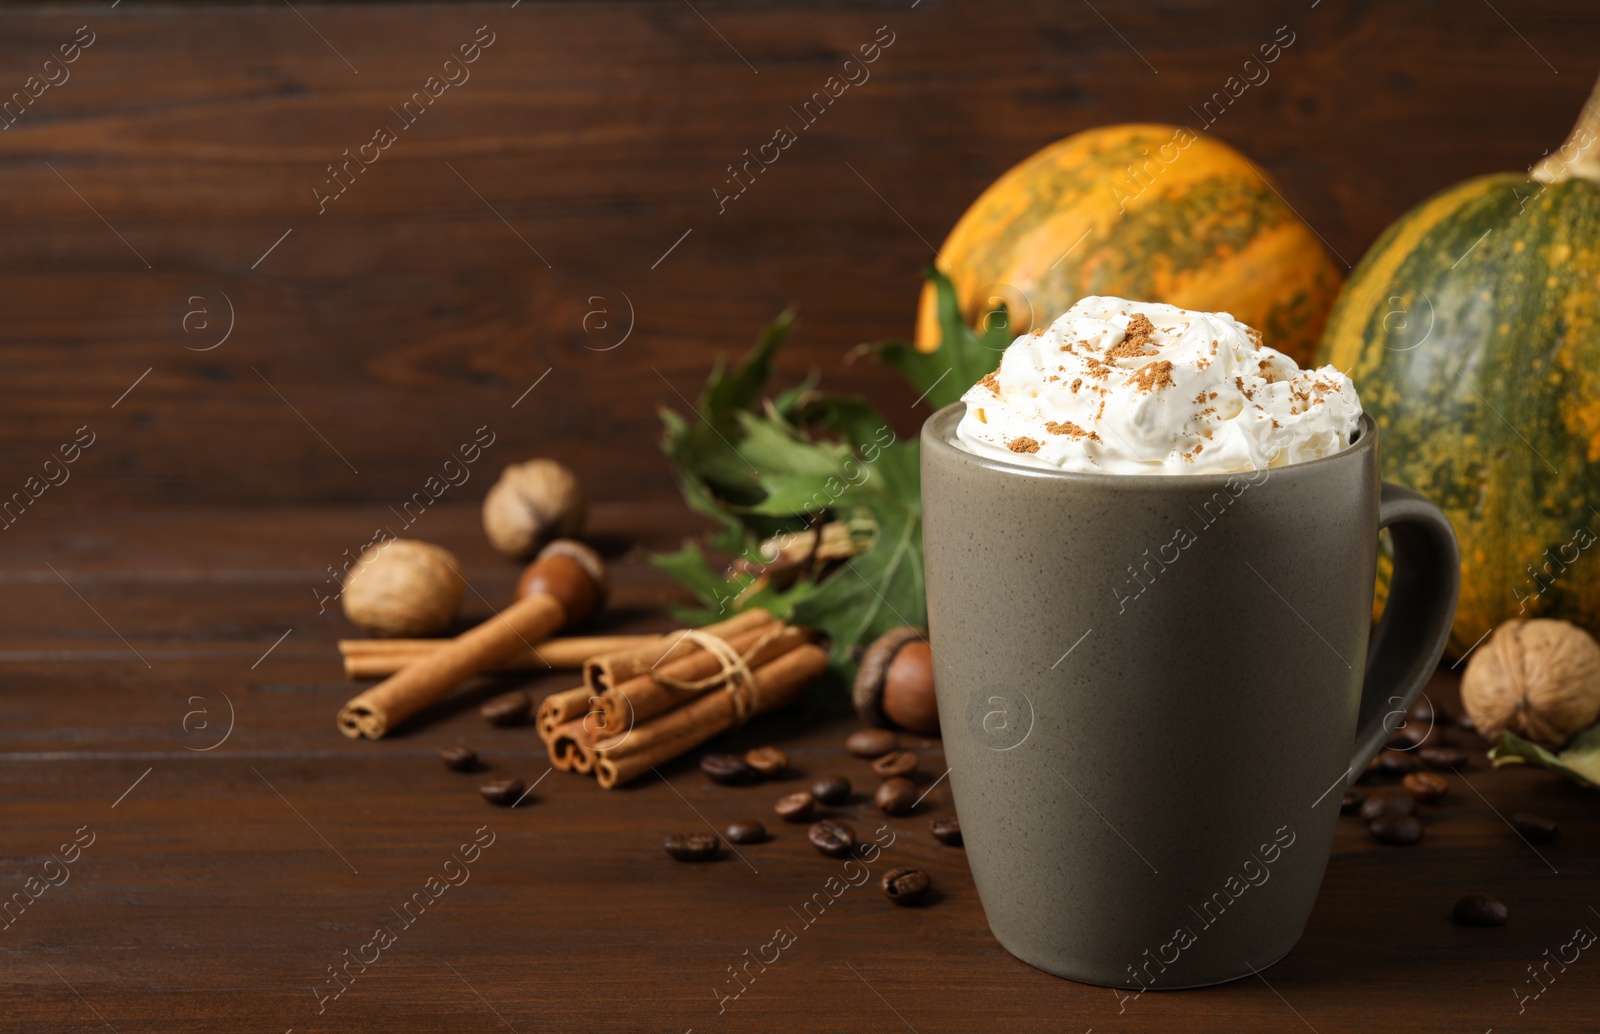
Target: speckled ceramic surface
x,y
1151,694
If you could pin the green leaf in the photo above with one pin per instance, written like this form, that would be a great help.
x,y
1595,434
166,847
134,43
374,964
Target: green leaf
x,y
1578,761
852,419
760,468
874,591
727,394
774,448
962,359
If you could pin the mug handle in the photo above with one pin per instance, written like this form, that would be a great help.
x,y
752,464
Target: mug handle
x,y
1415,627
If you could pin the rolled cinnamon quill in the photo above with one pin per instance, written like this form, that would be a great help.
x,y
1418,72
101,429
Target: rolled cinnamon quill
x,y
643,697
603,672
564,584
379,658
773,685
568,752
559,708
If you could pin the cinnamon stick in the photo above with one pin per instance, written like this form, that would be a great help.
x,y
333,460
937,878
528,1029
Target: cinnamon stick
x,y
641,748
642,698
378,658
601,673
560,708
568,752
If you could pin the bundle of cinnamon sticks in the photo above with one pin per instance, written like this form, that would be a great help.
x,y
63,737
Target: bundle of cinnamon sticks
x,y
644,705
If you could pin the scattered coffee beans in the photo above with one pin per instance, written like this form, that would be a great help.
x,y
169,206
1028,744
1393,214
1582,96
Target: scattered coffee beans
x,y
896,796
746,831
871,743
1537,829
692,847
501,791
769,761
1427,787
507,709
728,769
1398,762
906,886
895,763
796,807
459,759
831,789
1479,910
947,831
1443,758
1352,802
834,839
1399,830
1392,802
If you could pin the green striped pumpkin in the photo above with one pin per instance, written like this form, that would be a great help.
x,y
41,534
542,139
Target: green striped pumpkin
x,y
1472,332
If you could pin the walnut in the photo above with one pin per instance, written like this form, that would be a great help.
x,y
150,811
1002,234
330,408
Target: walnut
x,y
1539,678
531,504
403,587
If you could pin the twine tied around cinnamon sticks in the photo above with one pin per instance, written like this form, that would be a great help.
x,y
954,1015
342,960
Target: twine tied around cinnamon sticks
x,y
734,673
636,711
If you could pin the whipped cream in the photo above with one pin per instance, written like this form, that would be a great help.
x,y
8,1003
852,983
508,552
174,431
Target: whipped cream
x,y
1122,387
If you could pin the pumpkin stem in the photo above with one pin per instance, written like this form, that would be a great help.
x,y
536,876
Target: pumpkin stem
x,y
1579,156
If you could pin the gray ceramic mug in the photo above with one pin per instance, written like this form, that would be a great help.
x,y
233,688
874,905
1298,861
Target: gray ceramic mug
x,y
1153,690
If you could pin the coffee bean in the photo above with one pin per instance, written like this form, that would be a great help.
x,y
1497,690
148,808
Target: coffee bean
x,y
1396,762
459,759
769,761
692,847
1423,711
1393,802
871,743
1352,802
501,791
507,709
1408,736
895,763
947,831
727,769
1427,787
1537,829
906,886
746,831
1479,910
834,839
1444,758
1400,830
896,796
796,807
831,789
1466,722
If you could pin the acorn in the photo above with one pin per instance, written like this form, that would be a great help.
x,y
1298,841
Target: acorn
x,y
894,686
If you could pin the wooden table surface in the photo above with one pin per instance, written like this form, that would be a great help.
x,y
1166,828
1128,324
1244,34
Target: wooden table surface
x,y
236,846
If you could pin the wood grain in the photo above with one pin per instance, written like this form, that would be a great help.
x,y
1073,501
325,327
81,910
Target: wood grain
x,y
174,580
225,881
458,269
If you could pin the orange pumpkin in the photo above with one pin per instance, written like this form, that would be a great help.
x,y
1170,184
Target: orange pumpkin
x,y
1148,212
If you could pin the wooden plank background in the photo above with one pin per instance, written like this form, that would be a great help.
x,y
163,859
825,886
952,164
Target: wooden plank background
x,y
472,258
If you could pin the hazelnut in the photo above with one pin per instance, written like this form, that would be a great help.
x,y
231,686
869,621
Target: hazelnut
x,y
1540,679
894,685
531,504
404,588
